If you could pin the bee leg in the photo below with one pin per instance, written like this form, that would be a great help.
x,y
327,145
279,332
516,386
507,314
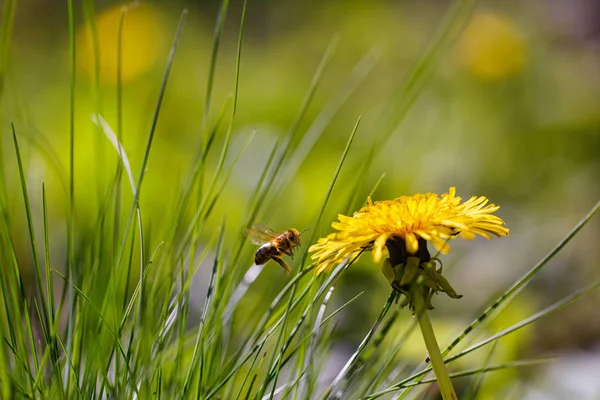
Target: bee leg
x,y
282,263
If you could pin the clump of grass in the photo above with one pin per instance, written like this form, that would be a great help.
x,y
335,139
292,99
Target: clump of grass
x,y
116,320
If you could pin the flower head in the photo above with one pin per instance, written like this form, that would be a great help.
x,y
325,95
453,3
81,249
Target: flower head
x,y
492,47
143,41
423,216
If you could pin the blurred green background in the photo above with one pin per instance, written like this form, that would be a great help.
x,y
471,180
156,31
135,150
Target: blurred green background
x,y
511,112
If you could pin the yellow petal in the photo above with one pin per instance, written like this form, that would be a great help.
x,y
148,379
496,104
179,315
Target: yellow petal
x,y
412,245
378,247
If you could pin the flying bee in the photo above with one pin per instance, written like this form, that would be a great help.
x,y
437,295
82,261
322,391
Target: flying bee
x,y
273,245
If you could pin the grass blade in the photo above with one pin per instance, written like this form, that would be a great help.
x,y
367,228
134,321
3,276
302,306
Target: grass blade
x,y
521,283
161,96
386,307
45,321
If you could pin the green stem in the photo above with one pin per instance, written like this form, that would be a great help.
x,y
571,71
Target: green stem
x,y
437,362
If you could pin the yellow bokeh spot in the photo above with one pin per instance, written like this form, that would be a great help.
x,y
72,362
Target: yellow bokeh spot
x,y
143,42
492,47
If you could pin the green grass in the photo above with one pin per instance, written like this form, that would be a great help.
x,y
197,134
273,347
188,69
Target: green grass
x,y
117,319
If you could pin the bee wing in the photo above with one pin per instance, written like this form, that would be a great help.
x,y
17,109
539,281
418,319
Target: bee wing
x,y
258,237
265,230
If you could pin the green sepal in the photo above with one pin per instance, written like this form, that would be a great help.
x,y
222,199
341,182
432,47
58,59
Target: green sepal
x,y
388,270
447,288
410,270
428,304
399,271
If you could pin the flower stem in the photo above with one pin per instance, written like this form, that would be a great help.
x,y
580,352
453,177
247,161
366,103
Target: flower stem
x,y
437,362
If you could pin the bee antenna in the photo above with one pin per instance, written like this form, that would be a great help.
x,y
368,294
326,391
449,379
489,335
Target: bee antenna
x,y
303,230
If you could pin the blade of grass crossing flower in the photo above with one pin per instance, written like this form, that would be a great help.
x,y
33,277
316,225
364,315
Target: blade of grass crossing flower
x,y
375,187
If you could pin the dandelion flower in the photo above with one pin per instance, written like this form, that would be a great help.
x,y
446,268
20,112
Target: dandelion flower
x,y
144,38
413,219
492,47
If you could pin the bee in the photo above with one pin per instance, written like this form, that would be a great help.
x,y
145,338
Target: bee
x,y
273,245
